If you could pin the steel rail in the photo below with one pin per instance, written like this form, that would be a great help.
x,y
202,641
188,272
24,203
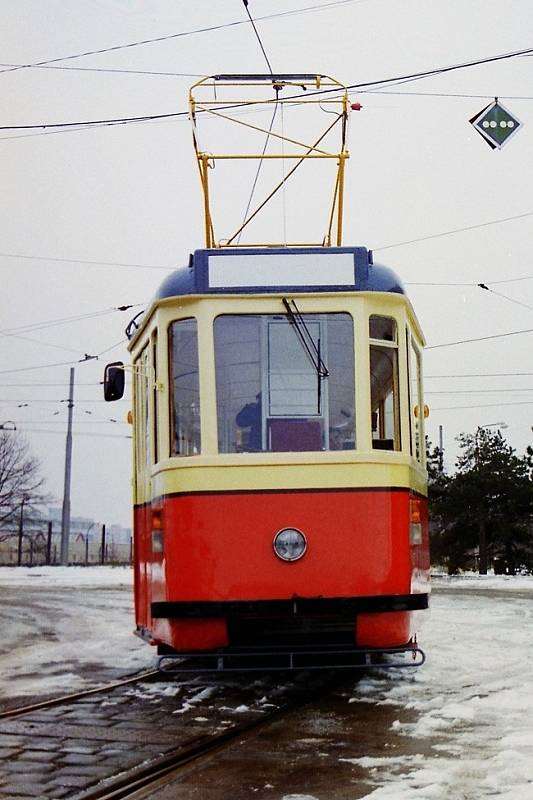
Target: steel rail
x,y
141,782
67,698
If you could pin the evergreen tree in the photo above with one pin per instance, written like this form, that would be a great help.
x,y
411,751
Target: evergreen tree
x,y
485,507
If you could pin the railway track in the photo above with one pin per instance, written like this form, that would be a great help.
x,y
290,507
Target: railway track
x,y
145,781
70,698
123,741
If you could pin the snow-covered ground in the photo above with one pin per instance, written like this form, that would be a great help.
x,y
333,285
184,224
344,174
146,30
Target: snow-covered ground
x,y
474,697
69,628
66,628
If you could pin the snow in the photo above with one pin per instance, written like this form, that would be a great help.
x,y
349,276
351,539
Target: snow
x,y
471,726
473,697
66,628
502,583
78,577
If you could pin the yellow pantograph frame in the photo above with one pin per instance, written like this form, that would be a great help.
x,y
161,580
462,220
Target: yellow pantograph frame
x,y
323,87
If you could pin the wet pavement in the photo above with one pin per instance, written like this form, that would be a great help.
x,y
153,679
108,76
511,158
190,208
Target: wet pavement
x,y
306,755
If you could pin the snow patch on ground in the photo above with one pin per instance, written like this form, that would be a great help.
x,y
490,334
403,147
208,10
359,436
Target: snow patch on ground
x,y
471,581
78,577
66,628
473,697
299,797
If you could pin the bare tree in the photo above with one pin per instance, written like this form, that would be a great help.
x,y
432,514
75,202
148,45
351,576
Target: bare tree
x,y
21,482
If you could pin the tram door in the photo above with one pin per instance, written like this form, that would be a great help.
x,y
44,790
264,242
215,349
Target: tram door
x,y
145,452
293,416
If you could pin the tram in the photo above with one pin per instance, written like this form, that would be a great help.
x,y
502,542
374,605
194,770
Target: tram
x,y
280,497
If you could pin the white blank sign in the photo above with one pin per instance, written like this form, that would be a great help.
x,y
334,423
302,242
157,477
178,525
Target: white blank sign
x,y
281,269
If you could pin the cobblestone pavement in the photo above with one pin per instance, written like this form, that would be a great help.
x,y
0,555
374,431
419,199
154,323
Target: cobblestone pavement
x,y
61,751
324,750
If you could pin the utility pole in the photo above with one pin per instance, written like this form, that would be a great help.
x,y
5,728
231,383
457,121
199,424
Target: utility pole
x,y
65,517
102,546
21,531
49,544
441,450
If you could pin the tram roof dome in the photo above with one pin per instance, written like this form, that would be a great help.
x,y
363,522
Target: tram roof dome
x,y
271,270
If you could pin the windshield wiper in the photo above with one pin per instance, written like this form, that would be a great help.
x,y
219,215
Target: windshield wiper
x,y
309,345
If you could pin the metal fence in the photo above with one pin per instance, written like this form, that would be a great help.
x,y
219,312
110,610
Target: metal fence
x,y
44,547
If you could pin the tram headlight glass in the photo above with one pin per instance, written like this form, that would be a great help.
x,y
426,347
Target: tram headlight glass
x,y
289,544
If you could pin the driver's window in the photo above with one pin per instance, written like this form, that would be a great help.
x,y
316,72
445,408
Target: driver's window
x,y
273,393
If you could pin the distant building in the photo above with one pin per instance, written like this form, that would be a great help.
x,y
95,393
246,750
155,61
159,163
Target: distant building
x,y
40,542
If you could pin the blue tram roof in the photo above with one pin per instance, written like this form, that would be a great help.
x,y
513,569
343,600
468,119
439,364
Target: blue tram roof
x,y
272,270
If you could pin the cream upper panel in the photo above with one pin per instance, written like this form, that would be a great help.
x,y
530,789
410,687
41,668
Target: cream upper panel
x,y
205,309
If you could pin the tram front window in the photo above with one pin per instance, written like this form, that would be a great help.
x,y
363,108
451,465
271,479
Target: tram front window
x,y
272,391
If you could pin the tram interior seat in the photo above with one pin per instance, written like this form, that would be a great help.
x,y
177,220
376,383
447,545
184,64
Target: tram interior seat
x,y
383,444
295,435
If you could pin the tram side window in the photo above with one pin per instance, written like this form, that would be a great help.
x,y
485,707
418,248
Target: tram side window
x,y
385,417
184,389
142,410
270,394
417,408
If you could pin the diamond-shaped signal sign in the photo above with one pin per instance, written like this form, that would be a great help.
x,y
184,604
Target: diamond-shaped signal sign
x,y
496,124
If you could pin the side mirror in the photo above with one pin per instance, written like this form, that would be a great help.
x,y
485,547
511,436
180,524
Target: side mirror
x,y
114,379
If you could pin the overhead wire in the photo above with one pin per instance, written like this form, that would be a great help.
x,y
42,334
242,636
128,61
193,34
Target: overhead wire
x,y
180,34
477,391
359,86
276,106
505,296
485,286
446,233
35,326
479,339
182,118
245,3
48,383
480,375
89,261
29,401
38,366
78,433
77,130
107,70
453,231
458,95
486,405
40,342
62,422
108,349
375,249
86,357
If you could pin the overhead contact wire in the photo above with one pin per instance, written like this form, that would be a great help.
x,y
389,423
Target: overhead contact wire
x,y
376,83
291,12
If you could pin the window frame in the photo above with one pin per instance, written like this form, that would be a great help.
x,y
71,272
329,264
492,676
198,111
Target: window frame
x,y
390,344
142,414
268,315
172,429
414,349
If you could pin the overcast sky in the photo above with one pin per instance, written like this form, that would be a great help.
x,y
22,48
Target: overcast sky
x,y
93,219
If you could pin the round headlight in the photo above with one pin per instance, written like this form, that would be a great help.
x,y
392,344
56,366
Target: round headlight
x,y
289,544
